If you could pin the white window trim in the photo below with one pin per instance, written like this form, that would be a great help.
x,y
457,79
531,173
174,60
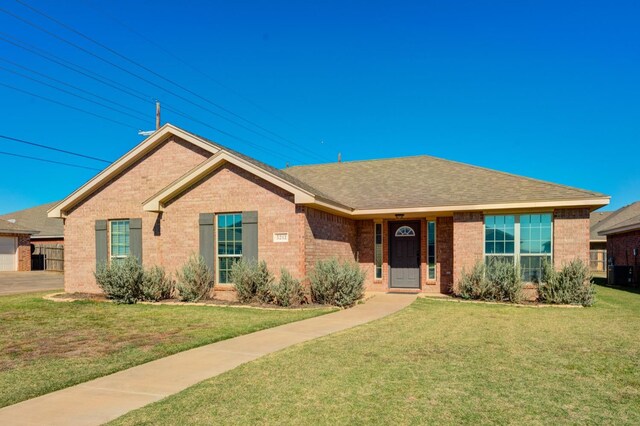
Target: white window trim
x,y
215,248
412,234
375,225
435,251
109,242
516,237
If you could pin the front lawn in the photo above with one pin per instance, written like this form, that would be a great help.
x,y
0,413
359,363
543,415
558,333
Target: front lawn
x,y
48,345
438,362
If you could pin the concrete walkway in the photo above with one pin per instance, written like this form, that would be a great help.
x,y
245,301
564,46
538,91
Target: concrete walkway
x,y
109,397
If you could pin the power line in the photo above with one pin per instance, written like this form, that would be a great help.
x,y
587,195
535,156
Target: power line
x,y
48,161
54,149
291,144
65,105
81,34
72,86
69,93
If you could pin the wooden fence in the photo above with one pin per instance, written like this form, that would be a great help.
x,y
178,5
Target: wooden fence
x,y
598,260
47,257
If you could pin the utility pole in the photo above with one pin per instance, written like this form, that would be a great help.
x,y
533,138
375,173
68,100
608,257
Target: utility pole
x,y
157,115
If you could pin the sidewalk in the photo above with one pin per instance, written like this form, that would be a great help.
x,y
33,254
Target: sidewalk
x,y
107,398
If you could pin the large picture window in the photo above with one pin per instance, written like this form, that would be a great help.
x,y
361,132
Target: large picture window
x,y
533,234
378,251
119,235
431,249
229,244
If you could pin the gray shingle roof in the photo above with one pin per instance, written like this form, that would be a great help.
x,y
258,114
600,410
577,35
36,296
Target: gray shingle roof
x,y
626,216
425,181
597,219
36,219
12,228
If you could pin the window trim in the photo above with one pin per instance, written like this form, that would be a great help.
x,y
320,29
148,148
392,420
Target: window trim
x,y
516,237
110,241
375,244
435,252
216,242
411,234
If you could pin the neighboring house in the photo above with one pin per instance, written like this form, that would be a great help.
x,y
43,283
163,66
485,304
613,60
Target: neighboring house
x,y
15,248
622,230
47,241
598,243
413,224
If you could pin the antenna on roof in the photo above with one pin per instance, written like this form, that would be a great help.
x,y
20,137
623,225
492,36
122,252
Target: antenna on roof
x,y
150,132
339,157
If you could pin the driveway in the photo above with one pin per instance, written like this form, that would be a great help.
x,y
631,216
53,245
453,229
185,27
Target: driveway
x,y
24,282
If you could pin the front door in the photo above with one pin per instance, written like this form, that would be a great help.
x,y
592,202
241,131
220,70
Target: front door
x,y
404,254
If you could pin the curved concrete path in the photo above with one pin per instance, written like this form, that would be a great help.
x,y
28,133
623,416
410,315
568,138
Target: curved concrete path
x,y
107,398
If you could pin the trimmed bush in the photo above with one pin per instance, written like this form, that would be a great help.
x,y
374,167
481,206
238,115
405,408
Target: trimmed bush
x,y
156,285
287,291
495,281
195,280
335,283
252,280
570,285
121,280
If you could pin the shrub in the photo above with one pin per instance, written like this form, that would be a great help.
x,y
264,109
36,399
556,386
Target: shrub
x,y
156,285
497,280
288,291
571,284
252,280
335,283
195,280
121,280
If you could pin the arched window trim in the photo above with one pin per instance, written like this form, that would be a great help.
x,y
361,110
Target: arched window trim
x,y
405,231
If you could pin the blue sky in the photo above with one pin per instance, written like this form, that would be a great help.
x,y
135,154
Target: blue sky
x,y
543,89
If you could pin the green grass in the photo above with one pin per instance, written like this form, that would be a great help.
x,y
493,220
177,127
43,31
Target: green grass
x,y
438,362
48,345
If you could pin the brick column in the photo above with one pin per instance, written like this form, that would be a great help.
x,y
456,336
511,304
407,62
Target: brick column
x,y
467,242
570,235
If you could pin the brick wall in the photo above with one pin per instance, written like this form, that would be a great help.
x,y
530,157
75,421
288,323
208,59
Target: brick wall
x,y
23,250
620,249
570,235
122,197
468,229
231,189
444,253
328,235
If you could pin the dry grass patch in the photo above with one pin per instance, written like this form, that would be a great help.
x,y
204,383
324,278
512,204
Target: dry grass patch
x,y
51,345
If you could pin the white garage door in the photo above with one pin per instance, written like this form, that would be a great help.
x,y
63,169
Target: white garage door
x,y
8,258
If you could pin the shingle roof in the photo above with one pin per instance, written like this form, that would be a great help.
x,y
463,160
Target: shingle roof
x,y
35,218
625,217
425,181
597,219
12,228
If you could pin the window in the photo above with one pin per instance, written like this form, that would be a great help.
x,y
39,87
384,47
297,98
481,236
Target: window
x,y
405,231
532,232
229,244
119,230
378,251
535,244
431,249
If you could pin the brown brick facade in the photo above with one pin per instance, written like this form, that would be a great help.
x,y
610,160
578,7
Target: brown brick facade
x,y
620,249
570,236
468,240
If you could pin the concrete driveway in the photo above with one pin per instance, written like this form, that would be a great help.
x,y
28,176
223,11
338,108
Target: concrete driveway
x,y
24,282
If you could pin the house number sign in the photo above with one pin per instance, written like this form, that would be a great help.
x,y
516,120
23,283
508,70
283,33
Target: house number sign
x,y
280,237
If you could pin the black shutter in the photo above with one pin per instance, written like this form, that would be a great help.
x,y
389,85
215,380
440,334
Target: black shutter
x,y
101,242
250,236
207,236
135,238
